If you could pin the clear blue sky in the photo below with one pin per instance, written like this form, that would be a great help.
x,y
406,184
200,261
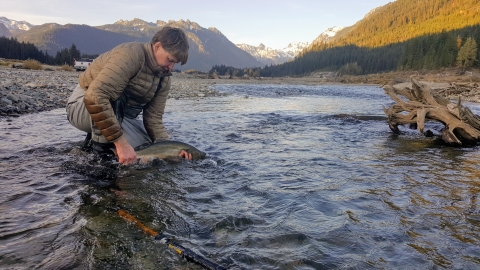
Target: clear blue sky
x,y
275,23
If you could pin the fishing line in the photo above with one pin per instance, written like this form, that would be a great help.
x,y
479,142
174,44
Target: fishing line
x,y
186,253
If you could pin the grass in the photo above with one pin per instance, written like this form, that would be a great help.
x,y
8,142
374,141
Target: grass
x,y
32,64
66,68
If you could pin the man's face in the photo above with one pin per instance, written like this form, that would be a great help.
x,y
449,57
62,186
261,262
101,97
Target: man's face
x,y
164,59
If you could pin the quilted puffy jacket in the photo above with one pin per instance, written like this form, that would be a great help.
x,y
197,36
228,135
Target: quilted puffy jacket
x,y
129,67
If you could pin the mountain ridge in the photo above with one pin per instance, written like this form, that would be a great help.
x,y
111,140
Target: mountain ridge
x,y
208,47
137,30
269,56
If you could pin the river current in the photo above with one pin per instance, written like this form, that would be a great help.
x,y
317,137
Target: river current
x,y
296,177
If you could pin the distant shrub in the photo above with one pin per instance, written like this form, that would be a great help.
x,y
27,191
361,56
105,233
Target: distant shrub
x,y
32,64
191,71
66,68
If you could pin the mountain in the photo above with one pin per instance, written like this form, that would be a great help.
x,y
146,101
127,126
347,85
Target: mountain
x,y
52,38
4,32
13,26
328,35
402,20
268,56
401,35
295,48
208,47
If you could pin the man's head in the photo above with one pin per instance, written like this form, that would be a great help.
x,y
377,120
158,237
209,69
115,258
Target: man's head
x,y
170,46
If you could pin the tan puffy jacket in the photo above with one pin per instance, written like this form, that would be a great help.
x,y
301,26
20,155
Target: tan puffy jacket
x,y
128,67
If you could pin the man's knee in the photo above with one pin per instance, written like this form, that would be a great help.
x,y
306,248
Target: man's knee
x,y
77,113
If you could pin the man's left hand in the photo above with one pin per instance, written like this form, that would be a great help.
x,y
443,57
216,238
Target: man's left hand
x,y
185,155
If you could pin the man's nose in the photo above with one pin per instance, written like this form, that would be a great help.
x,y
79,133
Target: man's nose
x,y
171,66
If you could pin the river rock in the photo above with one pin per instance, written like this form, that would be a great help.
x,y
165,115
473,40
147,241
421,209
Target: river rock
x,y
30,91
6,101
12,97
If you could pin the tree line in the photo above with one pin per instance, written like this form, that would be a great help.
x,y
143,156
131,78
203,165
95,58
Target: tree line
x,y
458,48
11,48
433,51
403,20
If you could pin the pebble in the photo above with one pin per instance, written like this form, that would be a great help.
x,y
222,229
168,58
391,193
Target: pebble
x,y
25,91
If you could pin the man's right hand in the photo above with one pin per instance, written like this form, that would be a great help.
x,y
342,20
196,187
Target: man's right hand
x,y
126,154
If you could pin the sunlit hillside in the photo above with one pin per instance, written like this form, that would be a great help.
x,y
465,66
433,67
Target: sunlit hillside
x,y
403,20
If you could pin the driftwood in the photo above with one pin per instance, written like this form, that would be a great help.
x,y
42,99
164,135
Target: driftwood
x,y
460,89
421,104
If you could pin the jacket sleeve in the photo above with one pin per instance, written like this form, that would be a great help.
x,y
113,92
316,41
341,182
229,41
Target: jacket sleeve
x,y
153,112
109,84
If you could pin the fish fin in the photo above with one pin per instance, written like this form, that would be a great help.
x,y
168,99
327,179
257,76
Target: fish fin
x,y
143,146
143,160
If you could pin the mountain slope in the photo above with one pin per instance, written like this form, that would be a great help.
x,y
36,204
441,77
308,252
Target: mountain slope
x,y
53,37
208,47
402,20
13,26
4,32
268,56
328,35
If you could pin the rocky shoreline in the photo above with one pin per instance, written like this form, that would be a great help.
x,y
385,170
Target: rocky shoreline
x,y
24,91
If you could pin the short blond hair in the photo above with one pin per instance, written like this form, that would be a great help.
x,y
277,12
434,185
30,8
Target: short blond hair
x,y
174,41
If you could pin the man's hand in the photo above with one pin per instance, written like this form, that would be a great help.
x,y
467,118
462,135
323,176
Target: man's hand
x,y
185,155
126,154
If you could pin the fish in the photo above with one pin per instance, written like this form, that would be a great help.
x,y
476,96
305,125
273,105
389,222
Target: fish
x,y
167,149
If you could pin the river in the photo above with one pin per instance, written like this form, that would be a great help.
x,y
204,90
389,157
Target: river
x,y
296,177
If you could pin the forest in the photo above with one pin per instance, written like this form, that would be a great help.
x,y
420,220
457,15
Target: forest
x,y
11,48
401,35
429,52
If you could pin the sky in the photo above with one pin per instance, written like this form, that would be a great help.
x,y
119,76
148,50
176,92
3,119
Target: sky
x,y
275,23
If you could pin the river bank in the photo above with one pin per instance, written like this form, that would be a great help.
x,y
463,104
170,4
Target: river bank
x,y
30,91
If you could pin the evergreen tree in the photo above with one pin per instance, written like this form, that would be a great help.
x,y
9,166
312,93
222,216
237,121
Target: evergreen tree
x,y
74,53
467,54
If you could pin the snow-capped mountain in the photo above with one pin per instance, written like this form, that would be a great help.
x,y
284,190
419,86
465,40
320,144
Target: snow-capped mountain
x,y
295,48
136,22
10,27
328,34
15,25
267,55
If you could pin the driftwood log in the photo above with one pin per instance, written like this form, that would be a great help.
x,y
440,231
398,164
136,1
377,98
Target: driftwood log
x,y
466,90
419,104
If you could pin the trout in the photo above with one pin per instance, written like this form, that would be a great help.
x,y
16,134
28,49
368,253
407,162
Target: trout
x,y
166,149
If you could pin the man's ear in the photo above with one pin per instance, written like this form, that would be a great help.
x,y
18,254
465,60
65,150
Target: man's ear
x,y
157,45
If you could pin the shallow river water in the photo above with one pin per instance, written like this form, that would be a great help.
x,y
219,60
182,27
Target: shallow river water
x,y
296,177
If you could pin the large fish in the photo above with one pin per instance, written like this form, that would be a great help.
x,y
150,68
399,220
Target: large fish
x,y
166,149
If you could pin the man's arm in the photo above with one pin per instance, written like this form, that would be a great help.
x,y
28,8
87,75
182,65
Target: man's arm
x,y
110,82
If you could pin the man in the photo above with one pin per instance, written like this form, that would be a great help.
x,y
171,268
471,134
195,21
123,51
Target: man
x,y
120,84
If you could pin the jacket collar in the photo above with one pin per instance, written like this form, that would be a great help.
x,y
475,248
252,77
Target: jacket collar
x,y
152,62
